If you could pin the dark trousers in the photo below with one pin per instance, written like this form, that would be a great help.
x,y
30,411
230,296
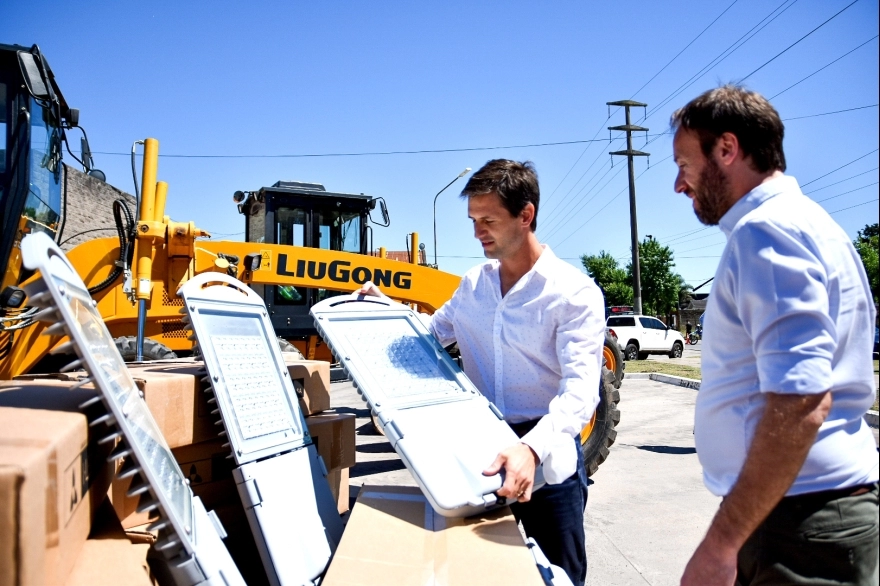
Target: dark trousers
x,y
554,518
823,538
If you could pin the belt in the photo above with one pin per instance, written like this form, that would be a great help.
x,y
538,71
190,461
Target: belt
x,y
523,427
830,495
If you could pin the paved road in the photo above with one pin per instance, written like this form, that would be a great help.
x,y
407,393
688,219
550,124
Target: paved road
x,y
647,508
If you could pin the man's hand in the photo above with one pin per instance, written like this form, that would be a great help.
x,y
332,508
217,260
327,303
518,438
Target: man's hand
x,y
711,565
370,289
519,463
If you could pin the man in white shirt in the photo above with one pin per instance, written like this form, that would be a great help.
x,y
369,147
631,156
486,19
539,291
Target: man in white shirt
x,y
530,328
787,373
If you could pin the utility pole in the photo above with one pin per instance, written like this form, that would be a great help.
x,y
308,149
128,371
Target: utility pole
x,y
629,153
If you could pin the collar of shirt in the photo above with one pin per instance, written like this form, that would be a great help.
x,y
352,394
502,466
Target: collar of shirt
x,y
755,198
541,267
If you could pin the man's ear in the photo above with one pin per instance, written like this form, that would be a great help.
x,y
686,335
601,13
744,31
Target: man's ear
x,y
527,214
727,149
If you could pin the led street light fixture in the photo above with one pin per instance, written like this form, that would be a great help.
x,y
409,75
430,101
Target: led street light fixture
x,y
189,544
281,478
445,431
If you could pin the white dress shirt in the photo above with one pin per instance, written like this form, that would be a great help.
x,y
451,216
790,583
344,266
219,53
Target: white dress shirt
x,y
791,313
536,352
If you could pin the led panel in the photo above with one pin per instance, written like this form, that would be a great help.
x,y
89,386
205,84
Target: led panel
x,y
393,358
280,479
249,379
99,356
189,538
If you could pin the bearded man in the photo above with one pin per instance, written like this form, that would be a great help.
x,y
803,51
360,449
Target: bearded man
x,y
787,374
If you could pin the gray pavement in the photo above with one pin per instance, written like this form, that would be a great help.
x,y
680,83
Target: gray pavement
x,y
647,508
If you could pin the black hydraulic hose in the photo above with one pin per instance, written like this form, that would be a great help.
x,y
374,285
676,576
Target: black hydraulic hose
x,y
127,234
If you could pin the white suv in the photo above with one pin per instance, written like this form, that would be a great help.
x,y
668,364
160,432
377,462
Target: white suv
x,y
640,335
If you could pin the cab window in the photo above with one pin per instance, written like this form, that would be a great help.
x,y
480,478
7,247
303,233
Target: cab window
x,y
43,205
339,231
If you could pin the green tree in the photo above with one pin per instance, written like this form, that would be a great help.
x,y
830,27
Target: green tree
x,y
661,286
866,244
606,271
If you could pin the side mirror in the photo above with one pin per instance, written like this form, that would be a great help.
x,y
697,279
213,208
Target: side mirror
x,y
383,209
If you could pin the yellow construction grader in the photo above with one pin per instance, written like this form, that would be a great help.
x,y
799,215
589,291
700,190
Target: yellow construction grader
x,y
302,244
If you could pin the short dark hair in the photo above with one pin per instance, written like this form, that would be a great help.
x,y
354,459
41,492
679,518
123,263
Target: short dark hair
x,y
515,183
747,115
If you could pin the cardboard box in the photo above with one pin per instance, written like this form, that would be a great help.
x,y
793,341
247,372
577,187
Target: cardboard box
x,y
174,394
394,537
311,380
338,480
53,476
126,506
108,558
206,466
333,436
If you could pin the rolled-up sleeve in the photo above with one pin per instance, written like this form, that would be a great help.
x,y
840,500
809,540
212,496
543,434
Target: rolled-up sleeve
x,y
579,342
784,308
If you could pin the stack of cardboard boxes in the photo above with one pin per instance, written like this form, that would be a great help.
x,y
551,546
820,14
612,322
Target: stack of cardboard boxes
x,y
60,506
54,479
54,476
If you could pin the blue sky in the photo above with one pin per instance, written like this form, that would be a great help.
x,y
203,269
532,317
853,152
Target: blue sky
x,y
296,78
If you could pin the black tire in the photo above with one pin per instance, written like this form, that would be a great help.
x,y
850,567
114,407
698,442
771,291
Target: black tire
x,y
643,355
595,446
677,350
613,359
288,347
631,352
153,350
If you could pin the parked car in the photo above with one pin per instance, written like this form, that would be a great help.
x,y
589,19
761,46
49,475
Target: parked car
x,y
640,335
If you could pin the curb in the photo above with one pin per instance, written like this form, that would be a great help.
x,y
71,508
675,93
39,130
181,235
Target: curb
x,y
679,381
872,418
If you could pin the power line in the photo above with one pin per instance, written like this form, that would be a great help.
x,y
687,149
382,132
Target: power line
x,y
830,113
763,23
555,216
609,201
847,192
841,181
702,247
225,233
864,203
559,206
365,154
435,151
683,234
839,168
578,159
694,239
823,67
772,59
572,213
694,40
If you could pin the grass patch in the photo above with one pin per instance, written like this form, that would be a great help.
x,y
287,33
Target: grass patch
x,y
663,367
